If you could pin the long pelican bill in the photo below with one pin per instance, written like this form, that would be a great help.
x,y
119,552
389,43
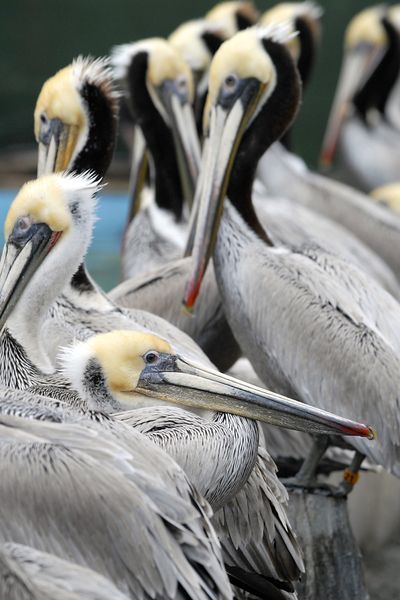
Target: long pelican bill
x,y
57,142
22,254
358,64
139,166
177,380
226,126
179,110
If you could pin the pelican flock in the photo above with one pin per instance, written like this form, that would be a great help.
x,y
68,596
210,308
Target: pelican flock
x,y
134,462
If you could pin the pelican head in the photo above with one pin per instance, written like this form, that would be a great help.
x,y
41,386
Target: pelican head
x,y
76,118
51,218
304,17
365,42
233,16
253,97
388,195
160,88
197,41
123,369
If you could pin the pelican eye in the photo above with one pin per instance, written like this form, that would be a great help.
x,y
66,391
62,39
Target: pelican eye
x,y
43,119
151,357
22,224
231,82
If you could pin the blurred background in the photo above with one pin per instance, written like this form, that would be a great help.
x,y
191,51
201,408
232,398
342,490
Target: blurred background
x,y
40,37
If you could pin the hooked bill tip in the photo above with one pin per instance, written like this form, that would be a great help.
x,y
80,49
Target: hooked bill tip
x,y
360,430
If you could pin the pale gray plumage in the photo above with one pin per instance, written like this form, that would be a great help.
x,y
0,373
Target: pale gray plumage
x,y
252,525
283,175
27,573
95,506
292,224
314,326
152,239
72,318
160,293
320,331
369,156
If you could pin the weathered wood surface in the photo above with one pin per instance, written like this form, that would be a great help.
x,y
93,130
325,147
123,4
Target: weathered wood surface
x,y
333,561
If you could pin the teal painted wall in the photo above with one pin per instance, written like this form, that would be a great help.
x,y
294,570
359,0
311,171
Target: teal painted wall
x,y
37,37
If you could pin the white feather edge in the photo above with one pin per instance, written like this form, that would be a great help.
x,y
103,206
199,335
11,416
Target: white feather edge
x,y
280,32
309,9
121,56
73,360
97,71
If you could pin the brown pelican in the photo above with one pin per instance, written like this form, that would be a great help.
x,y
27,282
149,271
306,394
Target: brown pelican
x,y
84,495
28,573
160,89
124,369
369,146
312,325
289,223
233,16
37,231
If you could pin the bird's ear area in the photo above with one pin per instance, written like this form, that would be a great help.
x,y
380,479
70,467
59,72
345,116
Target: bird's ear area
x,y
245,19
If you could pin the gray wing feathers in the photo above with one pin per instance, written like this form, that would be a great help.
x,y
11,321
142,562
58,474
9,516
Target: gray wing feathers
x,y
254,529
89,483
292,224
325,344
51,577
377,227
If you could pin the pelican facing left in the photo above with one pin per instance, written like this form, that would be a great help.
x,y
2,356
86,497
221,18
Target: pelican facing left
x,y
313,326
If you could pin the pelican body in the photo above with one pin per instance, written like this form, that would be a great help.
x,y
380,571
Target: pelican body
x,y
376,232
82,495
311,324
